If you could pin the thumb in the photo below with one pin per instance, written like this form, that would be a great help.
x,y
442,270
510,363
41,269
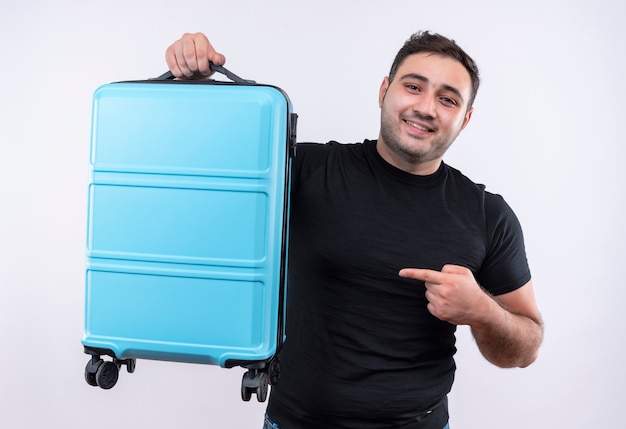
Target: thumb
x,y
455,269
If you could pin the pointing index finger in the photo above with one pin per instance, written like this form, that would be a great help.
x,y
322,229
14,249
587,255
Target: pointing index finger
x,y
430,276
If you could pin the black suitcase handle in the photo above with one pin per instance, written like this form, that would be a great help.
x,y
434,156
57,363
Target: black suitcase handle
x,y
215,68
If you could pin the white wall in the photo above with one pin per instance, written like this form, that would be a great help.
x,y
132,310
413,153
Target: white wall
x,y
547,134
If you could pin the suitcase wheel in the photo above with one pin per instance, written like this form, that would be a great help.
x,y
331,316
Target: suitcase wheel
x,y
254,381
90,377
107,375
262,389
273,371
130,365
104,374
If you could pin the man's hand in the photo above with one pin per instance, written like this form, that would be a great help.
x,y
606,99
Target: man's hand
x,y
189,56
507,328
453,294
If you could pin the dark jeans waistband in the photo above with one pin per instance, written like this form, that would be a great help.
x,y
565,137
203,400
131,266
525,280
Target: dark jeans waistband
x,y
432,418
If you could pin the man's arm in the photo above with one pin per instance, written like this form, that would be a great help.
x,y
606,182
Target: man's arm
x,y
511,335
507,328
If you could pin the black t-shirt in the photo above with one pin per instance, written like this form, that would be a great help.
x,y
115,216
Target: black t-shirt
x,y
362,350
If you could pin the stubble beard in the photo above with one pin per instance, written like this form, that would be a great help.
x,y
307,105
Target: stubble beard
x,y
401,145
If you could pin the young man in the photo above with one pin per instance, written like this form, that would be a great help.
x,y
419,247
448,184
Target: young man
x,y
390,249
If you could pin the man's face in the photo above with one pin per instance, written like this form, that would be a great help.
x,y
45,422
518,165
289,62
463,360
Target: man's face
x,y
423,110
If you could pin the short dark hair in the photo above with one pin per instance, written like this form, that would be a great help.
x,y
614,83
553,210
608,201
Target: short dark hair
x,y
424,41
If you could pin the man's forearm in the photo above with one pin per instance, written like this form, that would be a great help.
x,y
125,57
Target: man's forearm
x,y
507,339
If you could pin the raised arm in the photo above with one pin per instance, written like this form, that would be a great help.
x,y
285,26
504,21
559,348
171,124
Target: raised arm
x,y
508,328
189,56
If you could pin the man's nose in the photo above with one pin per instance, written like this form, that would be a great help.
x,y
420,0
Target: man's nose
x,y
425,107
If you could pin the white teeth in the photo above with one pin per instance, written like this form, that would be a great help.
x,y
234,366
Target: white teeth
x,y
413,124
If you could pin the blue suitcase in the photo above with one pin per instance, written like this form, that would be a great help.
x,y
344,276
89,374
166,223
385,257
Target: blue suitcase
x,y
187,226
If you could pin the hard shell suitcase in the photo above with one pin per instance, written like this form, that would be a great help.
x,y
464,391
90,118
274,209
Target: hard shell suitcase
x,y
187,226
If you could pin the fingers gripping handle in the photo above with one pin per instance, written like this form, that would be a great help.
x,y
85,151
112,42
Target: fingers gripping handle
x,y
215,68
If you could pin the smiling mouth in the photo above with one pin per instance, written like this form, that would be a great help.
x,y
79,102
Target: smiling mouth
x,y
419,126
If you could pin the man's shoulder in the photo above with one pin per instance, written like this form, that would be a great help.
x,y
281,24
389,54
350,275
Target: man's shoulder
x,y
315,153
462,180
331,146
493,202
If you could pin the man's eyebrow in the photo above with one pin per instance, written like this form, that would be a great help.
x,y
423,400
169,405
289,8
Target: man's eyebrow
x,y
424,79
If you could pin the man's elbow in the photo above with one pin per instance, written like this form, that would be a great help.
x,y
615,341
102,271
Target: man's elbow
x,y
530,360
515,362
512,359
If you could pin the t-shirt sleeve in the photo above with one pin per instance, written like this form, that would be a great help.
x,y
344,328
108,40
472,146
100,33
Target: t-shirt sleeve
x,y
309,158
505,268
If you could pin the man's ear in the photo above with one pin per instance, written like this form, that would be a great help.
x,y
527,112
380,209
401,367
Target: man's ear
x,y
383,90
467,118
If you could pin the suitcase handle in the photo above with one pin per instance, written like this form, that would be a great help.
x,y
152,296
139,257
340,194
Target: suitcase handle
x,y
215,68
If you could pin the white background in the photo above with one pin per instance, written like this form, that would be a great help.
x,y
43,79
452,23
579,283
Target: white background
x,y
547,134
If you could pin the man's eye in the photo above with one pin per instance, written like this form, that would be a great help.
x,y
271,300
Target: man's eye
x,y
448,101
412,87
